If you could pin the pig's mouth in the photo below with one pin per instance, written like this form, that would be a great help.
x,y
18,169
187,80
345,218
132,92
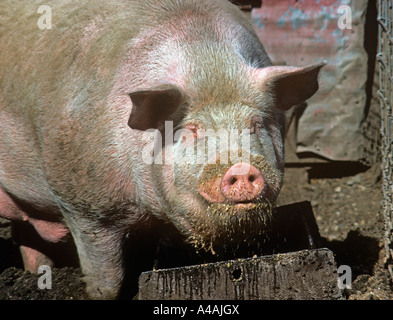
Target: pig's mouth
x,y
244,206
229,223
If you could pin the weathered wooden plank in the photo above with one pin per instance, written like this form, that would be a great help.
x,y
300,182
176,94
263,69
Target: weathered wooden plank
x,y
306,274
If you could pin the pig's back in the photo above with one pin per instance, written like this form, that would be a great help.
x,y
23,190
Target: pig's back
x,y
43,72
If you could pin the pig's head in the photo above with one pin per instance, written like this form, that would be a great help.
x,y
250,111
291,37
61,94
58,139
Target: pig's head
x,y
220,168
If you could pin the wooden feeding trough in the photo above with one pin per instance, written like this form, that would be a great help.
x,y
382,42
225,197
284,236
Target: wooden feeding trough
x,y
290,266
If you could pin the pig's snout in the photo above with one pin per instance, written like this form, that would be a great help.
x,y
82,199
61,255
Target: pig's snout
x,y
242,183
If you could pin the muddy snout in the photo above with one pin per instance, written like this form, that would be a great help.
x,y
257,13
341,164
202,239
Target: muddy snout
x,y
242,182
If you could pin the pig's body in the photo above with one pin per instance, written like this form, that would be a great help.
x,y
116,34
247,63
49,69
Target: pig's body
x,y
75,101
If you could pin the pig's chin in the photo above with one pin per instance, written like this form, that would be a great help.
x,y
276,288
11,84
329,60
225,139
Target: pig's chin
x,y
226,223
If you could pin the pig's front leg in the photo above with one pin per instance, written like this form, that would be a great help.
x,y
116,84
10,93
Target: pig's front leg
x,y
100,255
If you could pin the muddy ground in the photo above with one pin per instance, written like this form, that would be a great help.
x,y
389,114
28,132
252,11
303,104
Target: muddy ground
x,y
346,201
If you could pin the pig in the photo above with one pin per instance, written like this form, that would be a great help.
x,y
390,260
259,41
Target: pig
x,y
81,100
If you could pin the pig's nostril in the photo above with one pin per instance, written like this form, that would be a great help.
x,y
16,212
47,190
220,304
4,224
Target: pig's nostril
x,y
232,181
251,178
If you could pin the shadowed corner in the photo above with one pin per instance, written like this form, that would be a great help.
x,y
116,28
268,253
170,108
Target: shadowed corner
x,y
359,252
62,253
10,255
247,5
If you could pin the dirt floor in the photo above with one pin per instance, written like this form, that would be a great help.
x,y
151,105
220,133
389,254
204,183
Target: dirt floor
x,y
347,208
346,201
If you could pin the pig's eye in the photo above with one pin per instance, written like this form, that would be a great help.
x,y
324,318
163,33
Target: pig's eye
x,y
193,128
190,134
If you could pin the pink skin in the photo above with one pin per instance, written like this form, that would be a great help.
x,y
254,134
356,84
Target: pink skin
x,y
48,230
237,187
33,259
240,184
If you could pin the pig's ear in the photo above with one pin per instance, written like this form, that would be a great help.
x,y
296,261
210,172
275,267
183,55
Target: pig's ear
x,y
152,107
289,86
